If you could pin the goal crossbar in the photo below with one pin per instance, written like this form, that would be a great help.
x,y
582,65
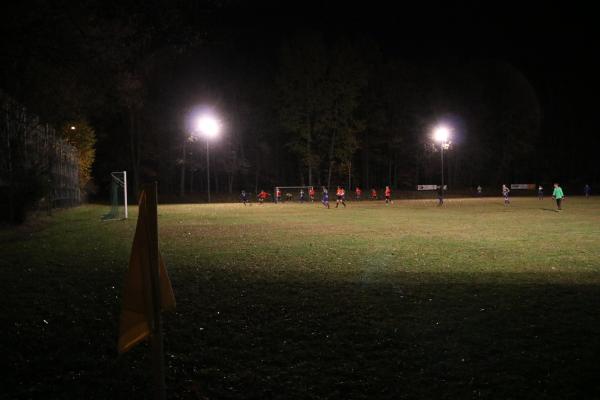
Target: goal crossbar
x,y
293,187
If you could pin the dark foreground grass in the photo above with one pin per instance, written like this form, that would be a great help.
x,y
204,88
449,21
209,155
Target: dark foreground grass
x,y
409,301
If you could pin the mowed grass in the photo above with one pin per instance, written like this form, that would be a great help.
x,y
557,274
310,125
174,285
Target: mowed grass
x,y
408,301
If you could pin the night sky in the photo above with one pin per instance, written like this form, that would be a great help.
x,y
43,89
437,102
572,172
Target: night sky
x,y
551,46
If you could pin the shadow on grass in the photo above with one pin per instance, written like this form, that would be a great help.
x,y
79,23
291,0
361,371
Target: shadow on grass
x,y
549,209
413,336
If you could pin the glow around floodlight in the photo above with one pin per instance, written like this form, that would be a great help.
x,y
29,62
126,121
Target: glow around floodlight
x,y
208,126
441,134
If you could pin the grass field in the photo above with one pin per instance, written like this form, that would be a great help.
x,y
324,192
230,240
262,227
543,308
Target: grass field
x,y
410,301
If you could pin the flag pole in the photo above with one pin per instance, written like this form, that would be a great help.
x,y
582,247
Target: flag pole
x,y
156,337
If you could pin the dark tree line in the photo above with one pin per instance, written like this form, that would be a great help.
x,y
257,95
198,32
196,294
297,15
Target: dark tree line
x,y
306,106
321,110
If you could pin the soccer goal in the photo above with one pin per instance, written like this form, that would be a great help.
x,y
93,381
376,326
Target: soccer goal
x,y
289,193
118,196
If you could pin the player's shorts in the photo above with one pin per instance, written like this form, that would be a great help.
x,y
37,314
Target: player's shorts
x,y
340,198
387,197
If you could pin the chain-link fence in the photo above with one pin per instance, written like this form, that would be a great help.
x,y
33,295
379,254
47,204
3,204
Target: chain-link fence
x,y
37,167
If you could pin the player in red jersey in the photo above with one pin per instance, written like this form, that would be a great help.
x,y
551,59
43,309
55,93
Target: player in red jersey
x,y
358,193
340,194
388,195
311,194
262,196
373,194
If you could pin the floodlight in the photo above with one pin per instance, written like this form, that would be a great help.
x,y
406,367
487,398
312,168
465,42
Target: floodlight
x,y
441,134
208,126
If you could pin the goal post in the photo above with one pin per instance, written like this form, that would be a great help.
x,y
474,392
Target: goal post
x,y
118,196
125,192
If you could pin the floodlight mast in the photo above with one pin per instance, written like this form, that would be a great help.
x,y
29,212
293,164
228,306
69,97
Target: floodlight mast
x,y
209,127
441,134
208,170
125,191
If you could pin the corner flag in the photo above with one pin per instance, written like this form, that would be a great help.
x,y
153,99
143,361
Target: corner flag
x,y
147,289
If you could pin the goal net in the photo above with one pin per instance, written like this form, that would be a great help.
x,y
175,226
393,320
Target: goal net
x,y
118,196
289,193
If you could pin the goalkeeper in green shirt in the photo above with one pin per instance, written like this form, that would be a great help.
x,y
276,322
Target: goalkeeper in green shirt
x,y
558,195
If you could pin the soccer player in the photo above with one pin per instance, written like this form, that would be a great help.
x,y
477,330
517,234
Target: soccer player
x,y
358,193
388,195
505,192
373,194
262,196
311,194
540,192
302,198
558,196
277,195
340,194
244,197
479,190
440,194
587,191
325,199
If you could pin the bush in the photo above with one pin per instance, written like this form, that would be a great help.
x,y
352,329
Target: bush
x,y
22,195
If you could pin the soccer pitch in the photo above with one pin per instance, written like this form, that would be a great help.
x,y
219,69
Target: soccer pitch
x,y
469,300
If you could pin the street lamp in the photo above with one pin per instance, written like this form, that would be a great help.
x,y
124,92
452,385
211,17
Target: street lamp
x,y
441,134
209,127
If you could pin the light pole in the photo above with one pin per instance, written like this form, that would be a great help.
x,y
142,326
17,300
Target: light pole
x,y
208,169
441,134
209,127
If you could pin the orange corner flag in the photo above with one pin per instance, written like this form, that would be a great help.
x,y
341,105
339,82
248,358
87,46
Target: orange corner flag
x,y
137,317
